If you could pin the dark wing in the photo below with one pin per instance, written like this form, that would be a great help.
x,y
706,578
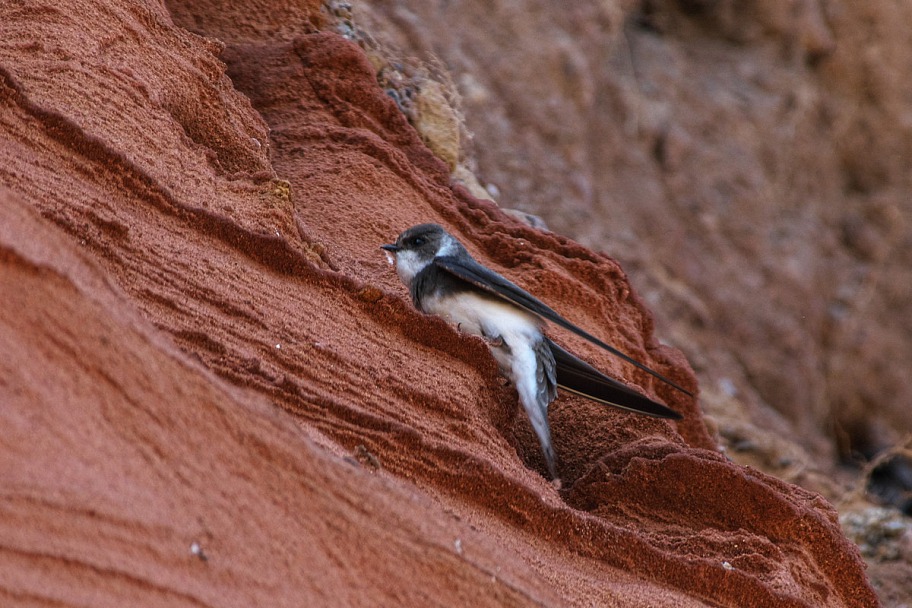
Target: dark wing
x,y
577,376
488,280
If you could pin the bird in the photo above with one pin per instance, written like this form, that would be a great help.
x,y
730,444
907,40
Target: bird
x,y
445,280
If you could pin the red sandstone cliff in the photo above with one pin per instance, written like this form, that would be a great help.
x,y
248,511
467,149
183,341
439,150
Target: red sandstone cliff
x,y
215,392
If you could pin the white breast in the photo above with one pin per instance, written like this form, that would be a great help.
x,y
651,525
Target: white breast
x,y
485,316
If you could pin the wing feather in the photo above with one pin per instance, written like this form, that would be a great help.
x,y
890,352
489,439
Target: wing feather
x,y
491,282
577,376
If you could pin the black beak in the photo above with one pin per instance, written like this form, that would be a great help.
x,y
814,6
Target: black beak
x,y
393,248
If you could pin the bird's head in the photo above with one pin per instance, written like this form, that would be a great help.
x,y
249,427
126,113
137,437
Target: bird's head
x,y
418,246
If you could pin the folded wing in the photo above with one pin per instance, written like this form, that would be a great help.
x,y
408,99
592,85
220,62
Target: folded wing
x,y
493,283
577,376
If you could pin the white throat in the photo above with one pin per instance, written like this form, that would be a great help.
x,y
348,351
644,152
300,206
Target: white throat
x,y
409,264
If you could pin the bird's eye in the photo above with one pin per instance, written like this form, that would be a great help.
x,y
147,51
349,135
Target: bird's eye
x,y
418,241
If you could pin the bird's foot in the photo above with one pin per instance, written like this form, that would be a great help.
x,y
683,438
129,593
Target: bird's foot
x,y
495,342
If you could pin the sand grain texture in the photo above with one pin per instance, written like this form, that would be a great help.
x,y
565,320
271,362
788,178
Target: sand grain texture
x,y
215,391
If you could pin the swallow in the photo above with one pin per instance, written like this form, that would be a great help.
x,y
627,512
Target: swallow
x,y
445,280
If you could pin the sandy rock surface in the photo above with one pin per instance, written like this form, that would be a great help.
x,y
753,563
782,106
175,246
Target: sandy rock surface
x,y
215,391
